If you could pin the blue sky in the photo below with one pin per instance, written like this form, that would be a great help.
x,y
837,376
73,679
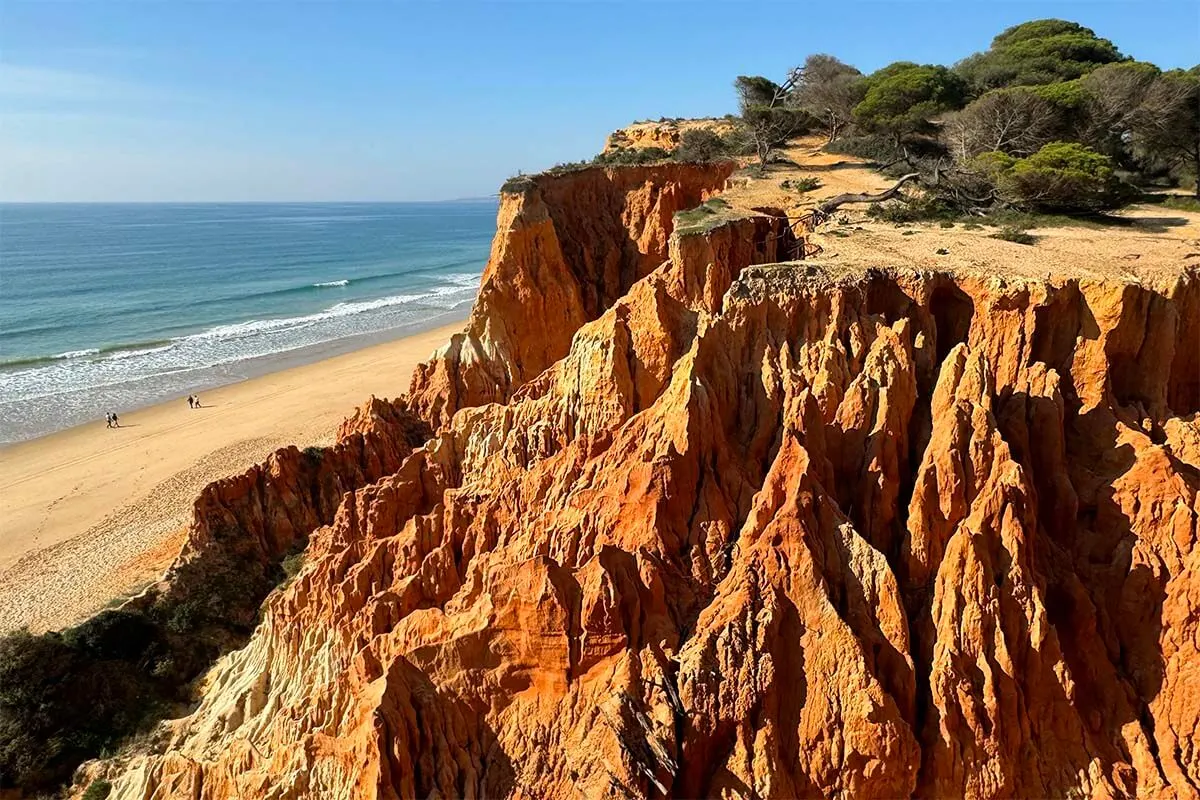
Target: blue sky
x,y
355,100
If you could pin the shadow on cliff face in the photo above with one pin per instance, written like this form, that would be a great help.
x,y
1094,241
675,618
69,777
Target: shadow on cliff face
x,y
1105,610
704,752
1128,597
1106,614
435,745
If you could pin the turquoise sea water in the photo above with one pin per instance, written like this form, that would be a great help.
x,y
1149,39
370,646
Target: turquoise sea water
x,y
112,307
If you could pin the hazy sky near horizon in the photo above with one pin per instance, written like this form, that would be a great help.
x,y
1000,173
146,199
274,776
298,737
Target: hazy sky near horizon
x,y
113,100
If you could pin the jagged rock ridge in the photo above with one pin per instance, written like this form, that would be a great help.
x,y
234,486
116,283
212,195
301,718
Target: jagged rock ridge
x,y
760,529
565,251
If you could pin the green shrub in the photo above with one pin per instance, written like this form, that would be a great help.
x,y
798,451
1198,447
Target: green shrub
x,y
517,184
1015,235
709,213
631,156
97,790
701,145
1061,176
806,184
1181,203
293,564
919,209
873,147
521,182
64,698
70,696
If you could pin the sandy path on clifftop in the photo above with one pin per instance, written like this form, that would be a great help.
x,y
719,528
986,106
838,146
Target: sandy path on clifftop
x,y
1143,241
90,514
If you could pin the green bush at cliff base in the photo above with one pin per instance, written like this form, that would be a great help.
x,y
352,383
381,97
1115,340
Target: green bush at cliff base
x,y
67,697
73,695
98,790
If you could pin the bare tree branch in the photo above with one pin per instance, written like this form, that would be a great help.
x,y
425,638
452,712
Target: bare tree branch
x,y
834,203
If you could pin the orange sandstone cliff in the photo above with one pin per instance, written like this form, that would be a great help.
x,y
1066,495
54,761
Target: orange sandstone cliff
x,y
565,251
695,523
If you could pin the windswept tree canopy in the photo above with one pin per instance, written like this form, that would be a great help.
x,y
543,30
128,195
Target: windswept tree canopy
x,y
828,90
1115,94
1166,127
1038,52
1016,121
902,97
755,90
769,117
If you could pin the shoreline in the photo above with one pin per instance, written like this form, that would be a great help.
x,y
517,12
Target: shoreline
x,y
92,513
211,378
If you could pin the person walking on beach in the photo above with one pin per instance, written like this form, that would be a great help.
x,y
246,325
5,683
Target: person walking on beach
x,y
108,419
197,401
191,401
116,423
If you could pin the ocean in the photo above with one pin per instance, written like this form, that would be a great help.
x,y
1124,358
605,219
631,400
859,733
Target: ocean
x,y
115,307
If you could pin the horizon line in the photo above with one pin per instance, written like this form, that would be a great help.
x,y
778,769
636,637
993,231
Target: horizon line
x,y
470,198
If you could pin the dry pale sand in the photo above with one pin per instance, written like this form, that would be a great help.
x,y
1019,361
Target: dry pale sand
x,y
1154,243
90,514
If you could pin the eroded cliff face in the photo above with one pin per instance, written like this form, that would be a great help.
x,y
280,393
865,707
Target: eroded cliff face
x,y
747,529
243,526
566,248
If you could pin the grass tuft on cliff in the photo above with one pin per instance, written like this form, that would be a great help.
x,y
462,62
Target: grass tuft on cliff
x,y
98,790
703,218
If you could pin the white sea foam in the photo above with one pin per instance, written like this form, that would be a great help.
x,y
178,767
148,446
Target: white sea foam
x,y
122,354
331,283
75,382
91,351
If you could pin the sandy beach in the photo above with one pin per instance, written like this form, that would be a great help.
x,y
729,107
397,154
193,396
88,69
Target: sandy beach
x,y
90,514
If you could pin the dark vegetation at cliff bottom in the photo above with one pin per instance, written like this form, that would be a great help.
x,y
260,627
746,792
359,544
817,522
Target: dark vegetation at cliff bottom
x,y
68,696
